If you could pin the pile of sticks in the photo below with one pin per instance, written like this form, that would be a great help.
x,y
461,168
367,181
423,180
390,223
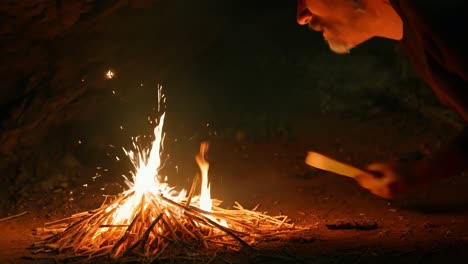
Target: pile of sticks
x,y
160,229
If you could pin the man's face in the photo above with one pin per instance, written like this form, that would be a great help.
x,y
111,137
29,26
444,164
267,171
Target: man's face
x,y
343,23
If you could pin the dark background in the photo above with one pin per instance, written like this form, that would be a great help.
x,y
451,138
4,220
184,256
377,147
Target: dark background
x,y
241,66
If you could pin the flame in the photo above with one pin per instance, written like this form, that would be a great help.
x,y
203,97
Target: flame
x,y
205,194
206,203
145,179
146,185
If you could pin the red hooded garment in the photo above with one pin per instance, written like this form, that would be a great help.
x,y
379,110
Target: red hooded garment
x,y
434,41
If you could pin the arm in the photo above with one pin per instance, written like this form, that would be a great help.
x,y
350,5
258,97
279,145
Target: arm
x,y
393,179
434,45
449,161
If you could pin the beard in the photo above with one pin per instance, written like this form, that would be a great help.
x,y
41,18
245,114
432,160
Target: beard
x,y
333,37
339,47
337,41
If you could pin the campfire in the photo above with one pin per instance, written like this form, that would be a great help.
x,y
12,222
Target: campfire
x,y
153,221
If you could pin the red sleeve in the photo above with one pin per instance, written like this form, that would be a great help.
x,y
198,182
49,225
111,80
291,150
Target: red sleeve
x,y
435,41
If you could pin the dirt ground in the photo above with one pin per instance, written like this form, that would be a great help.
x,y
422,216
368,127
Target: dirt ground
x,y
428,227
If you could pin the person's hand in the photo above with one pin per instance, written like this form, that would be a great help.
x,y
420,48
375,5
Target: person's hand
x,y
394,179
390,180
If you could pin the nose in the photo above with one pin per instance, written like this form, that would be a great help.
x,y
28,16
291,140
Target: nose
x,y
303,14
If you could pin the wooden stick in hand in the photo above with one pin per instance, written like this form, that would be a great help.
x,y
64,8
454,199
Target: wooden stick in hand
x,y
322,162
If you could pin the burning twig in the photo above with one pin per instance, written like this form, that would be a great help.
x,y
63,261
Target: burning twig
x,y
192,189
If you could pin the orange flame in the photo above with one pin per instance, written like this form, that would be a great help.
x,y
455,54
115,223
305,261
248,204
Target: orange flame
x,y
205,194
206,203
146,185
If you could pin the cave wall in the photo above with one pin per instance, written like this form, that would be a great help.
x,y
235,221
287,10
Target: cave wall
x,y
55,54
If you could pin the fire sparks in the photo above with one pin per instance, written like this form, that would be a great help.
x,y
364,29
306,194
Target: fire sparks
x,y
110,74
151,217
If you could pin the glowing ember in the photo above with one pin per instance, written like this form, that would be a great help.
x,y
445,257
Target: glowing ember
x,y
150,217
110,74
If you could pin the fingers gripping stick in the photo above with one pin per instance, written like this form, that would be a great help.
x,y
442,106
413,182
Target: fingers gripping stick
x,y
322,162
